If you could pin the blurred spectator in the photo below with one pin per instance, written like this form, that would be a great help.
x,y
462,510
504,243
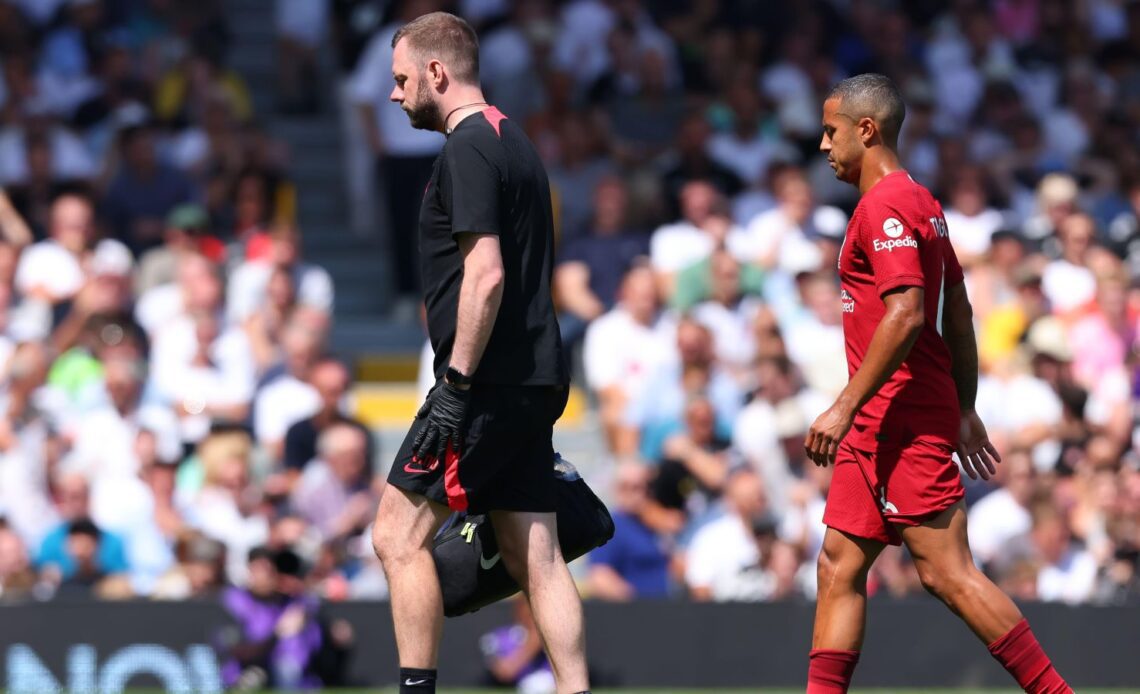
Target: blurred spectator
x,y
704,226
143,191
577,170
287,397
276,634
249,283
196,288
1068,571
104,439
404,155
205,371
728,313
77,547
659,411
694,462
199,572
781,237
301,28
181,95
186,232
634,564
724,561
1056,200
748,147
590,269
55,269
513,654
332,381
972,222
1003,514
770,429
693,163
624,346
814,333
228,508
335,491
17,580
1068,282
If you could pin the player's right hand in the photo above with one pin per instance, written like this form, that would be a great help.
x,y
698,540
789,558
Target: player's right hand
x,y
823,438
979,457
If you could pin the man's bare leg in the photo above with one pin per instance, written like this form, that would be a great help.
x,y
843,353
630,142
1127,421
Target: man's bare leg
x,y
528,543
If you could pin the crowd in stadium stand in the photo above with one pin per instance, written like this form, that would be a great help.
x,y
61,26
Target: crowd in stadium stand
x,y
174,422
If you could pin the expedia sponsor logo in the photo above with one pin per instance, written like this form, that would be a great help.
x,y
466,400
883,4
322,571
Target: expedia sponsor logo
x,y
892,244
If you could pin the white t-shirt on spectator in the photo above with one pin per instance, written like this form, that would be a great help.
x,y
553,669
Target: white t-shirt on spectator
x,y
750,159
820,352
371,84
229,380
755,433
1014,404
718,554
70,158
47,264
246,289
1070,580
105,440
281,403
972,234
215,513
1067,286
731,329
159,307
674,247
994,521
619,351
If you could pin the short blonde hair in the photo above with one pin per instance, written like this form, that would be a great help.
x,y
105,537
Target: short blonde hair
x,y
216,449
444,37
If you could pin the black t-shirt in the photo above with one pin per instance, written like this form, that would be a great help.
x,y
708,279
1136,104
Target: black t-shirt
x,y
488,179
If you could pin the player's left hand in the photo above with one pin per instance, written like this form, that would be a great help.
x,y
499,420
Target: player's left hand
x,y
978,455
446,411
825,434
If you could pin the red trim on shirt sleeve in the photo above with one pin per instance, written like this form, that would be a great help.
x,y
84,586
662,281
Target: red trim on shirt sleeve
x,y
896,281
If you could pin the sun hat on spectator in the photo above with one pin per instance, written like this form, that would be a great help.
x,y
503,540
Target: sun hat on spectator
x,y
1047,337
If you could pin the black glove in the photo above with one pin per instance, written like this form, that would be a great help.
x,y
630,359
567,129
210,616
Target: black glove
x,y
446,412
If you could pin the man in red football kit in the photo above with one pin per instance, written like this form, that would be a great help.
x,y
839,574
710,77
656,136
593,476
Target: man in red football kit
x,y
908,406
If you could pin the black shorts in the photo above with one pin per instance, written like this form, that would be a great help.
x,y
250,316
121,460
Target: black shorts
x,y
506,462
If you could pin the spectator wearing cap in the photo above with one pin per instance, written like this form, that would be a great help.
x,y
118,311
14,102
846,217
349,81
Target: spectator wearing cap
x,y
143,191
1068,282
187,232
55,269
624,347
335,492
635,563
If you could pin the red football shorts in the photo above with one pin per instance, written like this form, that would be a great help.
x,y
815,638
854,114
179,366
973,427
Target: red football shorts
x,y
872,492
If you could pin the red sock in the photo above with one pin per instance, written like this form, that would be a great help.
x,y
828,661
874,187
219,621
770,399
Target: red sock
x,y
829,672
1021,656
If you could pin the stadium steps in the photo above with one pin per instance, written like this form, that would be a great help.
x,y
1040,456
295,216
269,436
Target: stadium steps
x,y
363,277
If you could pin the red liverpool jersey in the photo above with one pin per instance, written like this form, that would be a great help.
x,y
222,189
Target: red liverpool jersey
x,y
898,237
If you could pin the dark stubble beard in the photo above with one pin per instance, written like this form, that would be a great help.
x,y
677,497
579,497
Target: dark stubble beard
x,y
425,115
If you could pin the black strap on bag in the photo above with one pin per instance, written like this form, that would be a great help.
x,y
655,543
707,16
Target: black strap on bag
x,y
466,554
